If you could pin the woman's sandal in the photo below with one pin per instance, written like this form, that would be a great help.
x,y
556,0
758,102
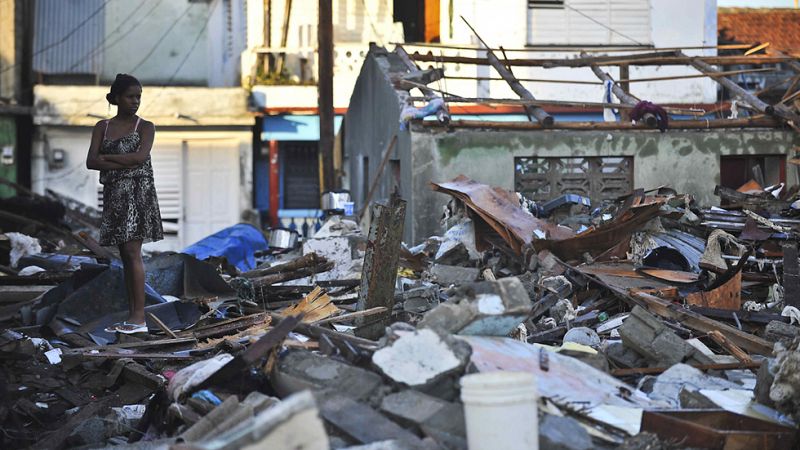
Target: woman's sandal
x,y
127,328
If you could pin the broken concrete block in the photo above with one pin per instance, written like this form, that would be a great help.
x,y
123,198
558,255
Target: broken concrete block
x,y
362,423
649,337
445,275
764,380
422,358
391,444
419,299
298,370
785,390
293,423
490,308
776,331
584,336
431,414
562,433
681,381
624,356
448,275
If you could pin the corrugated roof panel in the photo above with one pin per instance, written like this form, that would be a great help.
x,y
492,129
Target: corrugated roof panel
x,y
68,36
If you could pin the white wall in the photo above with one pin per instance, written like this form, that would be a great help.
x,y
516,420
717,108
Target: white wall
x,y
674,23
158,41
75,181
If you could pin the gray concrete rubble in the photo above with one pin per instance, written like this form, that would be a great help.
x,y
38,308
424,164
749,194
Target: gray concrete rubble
x,y
298,370
422,358
680,385
785,389
562,433
492,308
649,337
616,321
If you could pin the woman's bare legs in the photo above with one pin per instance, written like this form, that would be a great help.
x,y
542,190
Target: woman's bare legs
x,y
133,267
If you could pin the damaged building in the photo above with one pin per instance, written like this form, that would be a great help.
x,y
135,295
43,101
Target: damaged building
x,y
605,263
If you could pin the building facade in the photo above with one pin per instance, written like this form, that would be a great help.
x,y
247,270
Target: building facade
x,y
187,56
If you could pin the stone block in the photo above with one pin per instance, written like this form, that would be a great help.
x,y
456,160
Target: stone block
x,y
648,336
491,308
562,433
425,412
448,275
298,370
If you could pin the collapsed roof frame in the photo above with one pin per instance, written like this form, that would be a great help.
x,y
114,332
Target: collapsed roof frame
x,y
769,116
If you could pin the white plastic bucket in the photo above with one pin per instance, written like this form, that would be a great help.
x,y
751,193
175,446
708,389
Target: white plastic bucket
x,y
501,410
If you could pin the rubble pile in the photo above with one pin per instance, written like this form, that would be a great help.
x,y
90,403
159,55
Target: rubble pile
x,y
642,322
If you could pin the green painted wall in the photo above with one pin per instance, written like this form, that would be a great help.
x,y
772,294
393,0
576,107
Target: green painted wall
x,y
8,136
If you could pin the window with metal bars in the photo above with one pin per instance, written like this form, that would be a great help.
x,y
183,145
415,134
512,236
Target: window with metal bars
x,y
599,178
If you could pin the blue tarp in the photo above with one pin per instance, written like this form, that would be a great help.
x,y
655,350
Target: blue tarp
x,y
237,244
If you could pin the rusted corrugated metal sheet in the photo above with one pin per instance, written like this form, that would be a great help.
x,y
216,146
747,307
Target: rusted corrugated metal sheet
x,y
68,36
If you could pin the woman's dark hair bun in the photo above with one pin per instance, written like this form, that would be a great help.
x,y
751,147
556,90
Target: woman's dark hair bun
x,y
121,83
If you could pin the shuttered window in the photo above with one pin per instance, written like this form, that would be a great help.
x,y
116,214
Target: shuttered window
x,y
589,22
168,174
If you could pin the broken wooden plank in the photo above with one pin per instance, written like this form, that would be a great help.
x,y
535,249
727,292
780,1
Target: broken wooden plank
x,y
505,72
162,325
755,102
308,260
353,315
134,345
696,322
254,352
226,326
315,306
380,261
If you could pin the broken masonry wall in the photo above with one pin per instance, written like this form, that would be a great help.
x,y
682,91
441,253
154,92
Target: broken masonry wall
x,y
687,160
372,119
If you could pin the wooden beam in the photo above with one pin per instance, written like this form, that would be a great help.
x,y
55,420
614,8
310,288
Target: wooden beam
x,y
702,324
620,93
521,102
602,49
540,115
755,102
623,77
763,122
650,60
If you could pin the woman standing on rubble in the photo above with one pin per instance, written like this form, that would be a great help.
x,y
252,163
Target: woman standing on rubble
x,y
120,150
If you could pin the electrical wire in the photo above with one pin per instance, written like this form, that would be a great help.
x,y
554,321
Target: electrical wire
x,y
186,57
65,37
105,45
603,25
161,38
372,23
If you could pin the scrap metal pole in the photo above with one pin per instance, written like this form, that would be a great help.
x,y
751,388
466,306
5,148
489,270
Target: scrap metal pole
x,y
540,114
325,92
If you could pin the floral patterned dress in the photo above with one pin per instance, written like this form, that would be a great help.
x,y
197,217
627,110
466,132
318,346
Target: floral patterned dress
x,y
130,204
